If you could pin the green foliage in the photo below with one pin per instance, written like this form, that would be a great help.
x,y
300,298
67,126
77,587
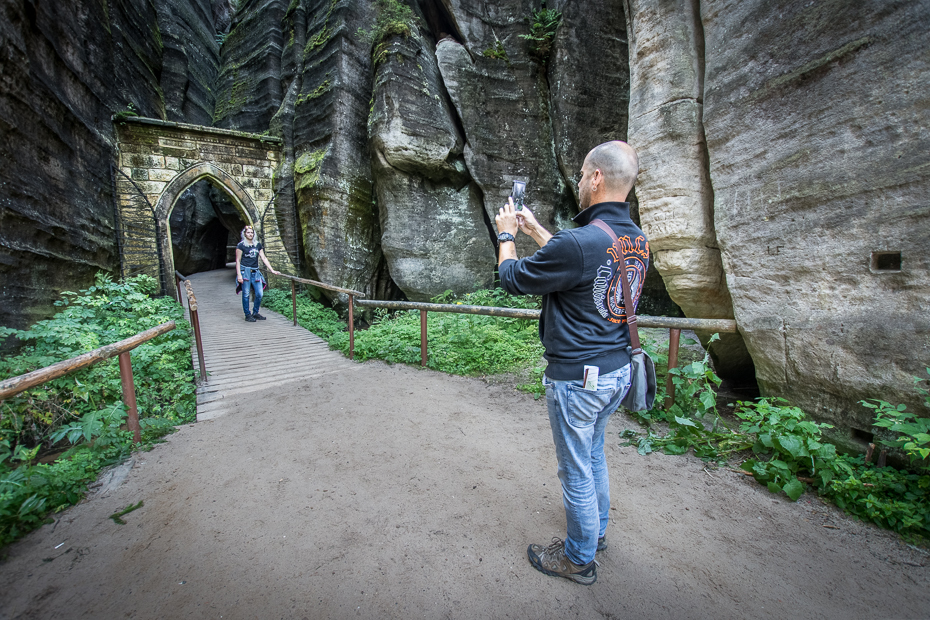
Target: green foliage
x,y
311,315
128,112
693,420
543,25
913,433
894,499
117,516
393,18
458,343
461,344
102,425
498,52
786,445
788,451
86,407
30,492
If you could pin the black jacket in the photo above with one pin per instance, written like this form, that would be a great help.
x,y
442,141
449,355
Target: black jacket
x,y
583,321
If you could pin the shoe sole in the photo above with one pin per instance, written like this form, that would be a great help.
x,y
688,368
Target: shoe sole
x,y
585,581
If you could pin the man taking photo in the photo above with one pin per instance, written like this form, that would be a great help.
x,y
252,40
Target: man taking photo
x,y
583,329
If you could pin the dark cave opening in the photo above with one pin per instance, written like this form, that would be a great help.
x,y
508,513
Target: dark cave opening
x,y
205,227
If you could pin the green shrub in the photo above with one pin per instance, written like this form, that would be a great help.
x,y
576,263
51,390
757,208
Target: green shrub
x,y
393,18
311,315
913,432
543,26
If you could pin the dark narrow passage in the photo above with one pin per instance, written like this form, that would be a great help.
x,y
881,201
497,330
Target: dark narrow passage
x,y
204,224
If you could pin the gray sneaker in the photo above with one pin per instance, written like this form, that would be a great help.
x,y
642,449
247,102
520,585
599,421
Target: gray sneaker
x,y
602,543
250,318
553,561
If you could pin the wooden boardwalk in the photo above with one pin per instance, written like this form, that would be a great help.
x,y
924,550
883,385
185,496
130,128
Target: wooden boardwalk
x,y
244,357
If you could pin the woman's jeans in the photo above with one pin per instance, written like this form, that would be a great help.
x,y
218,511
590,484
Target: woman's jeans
x,y
578,418
251,281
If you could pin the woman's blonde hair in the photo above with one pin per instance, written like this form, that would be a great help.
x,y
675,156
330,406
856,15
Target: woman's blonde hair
x,y
246,241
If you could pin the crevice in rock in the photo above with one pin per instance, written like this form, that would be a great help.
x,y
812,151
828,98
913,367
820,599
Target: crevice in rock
x,y
698,48
440,21
492,231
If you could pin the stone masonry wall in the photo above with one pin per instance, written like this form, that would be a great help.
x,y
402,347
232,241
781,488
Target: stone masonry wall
x,y
159,160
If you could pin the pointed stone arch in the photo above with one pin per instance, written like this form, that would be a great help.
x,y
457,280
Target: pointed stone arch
x,y
159,160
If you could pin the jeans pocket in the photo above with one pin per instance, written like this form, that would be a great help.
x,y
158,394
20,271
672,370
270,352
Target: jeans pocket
x,y
585,405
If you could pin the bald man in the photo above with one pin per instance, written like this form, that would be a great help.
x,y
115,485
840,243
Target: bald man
x,y
583,329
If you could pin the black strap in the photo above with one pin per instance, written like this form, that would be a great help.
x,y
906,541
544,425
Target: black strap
x,y
627,297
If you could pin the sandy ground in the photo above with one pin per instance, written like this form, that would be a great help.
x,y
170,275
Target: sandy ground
x,y
395,492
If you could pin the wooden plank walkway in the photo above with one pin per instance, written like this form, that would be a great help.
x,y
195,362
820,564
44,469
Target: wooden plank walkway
x,y
244,357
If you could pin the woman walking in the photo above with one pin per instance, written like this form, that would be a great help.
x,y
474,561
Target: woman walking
x,y
248,251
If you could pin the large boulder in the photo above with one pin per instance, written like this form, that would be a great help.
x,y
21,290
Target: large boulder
x,y
502,100
434,233
816,117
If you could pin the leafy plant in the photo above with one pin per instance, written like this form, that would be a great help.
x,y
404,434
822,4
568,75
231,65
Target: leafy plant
x,y
128,112
913,432
786,445
458,343
543,26
102,425
498,52
311,315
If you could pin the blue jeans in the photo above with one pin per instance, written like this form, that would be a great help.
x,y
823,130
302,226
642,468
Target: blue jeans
x,y
251,281
578,418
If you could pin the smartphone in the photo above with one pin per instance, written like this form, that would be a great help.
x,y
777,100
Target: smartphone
x,y
517,193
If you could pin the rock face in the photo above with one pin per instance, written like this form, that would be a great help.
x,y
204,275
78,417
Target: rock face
x,y
503,145
434,234
65,68
675,194
589,81
190,57
816,118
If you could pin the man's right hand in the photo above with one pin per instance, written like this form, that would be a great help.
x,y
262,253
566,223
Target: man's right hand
x,y
239,279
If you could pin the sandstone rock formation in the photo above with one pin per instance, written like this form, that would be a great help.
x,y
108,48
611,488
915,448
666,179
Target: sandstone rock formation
x,y
676,198
816,117
65,68
434,234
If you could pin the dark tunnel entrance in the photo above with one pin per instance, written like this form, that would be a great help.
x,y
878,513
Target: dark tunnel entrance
x,y
205,225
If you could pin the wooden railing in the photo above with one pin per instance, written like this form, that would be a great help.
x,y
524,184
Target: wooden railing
x,y
15,385
195,319
673,324
329,287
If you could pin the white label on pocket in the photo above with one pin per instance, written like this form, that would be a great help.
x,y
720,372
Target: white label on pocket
x,y
590,377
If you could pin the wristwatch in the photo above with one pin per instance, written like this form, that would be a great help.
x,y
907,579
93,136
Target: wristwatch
x,y
504,236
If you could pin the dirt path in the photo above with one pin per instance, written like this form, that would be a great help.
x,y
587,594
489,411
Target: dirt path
x,y
393,492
